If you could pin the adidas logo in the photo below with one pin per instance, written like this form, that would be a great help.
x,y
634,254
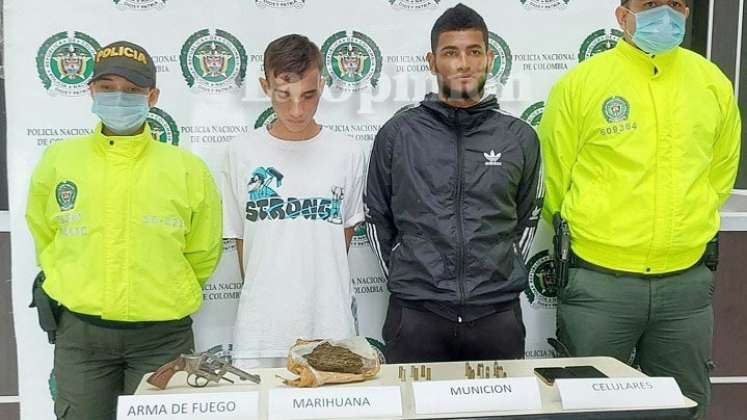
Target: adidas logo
x,y
493,159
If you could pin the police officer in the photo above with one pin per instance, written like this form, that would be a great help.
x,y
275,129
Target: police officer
x,y
641,147
127,230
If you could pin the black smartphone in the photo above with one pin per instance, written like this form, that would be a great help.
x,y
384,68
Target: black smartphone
x,y
584,372
548,375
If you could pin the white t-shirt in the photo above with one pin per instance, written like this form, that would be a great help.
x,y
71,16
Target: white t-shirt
x,y
290,202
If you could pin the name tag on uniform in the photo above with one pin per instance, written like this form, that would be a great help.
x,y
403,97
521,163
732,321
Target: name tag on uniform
x,y
197,406
335,402
643,392
443,397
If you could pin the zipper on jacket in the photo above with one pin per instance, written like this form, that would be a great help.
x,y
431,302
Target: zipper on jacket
x,y
460,217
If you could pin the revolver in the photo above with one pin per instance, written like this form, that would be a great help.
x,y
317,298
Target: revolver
x,y
201,368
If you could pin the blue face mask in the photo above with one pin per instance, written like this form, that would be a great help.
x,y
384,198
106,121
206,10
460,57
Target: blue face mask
x,y
122,113
659,30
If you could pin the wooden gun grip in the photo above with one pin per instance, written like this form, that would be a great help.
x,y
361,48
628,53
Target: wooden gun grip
x,y
160,378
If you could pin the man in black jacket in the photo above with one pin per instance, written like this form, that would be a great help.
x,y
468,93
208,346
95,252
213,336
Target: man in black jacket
x,y
453,199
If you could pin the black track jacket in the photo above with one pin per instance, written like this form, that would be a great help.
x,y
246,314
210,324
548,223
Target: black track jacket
x,y
452,200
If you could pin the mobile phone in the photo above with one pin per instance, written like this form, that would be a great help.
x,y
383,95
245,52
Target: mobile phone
x,y
584,372
548,375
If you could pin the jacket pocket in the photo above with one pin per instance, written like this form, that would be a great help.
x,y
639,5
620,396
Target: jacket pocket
x,y
415,257
495,266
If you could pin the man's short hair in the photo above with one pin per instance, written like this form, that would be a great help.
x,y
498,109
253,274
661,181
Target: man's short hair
x,y
291,54
458,18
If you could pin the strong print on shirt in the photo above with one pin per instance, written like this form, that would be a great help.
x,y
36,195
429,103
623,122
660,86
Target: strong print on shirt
x,y
265,203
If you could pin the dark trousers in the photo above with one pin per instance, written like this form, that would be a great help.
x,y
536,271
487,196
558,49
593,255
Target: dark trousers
x,y
94,365
416,336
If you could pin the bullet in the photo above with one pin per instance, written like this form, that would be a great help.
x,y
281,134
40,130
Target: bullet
x,y
414,373
428,374
422,371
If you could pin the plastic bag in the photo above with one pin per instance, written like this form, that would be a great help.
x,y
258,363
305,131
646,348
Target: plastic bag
x,y
319,362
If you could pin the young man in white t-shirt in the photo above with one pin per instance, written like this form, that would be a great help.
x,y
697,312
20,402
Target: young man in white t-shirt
x,y
292,197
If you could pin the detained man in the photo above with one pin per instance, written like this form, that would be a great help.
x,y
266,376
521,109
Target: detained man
x,y
452,202
293,196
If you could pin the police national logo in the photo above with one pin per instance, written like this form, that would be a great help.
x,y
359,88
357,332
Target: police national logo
x,y
140,4
280,4
414,4
65,62
599,41
542,291
223,352
163,128
379,347
213,61
545,4
352,61
500,70
533,114
360,237
617,112
616,109
267,117
66,192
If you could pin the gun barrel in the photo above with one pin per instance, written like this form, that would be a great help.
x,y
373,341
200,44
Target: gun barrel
x,y
217,364
244,376
220,365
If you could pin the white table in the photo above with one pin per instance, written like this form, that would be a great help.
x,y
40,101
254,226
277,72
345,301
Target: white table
x,y
389,375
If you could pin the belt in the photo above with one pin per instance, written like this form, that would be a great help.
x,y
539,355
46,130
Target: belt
x,y
577,262
125,325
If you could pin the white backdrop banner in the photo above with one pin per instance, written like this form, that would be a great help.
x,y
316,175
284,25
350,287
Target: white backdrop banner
x,y
208,55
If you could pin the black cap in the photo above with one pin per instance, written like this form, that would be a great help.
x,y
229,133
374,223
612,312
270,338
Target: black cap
x,y
127,60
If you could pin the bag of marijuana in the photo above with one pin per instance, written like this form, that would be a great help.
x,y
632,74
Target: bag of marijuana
x,y
319,362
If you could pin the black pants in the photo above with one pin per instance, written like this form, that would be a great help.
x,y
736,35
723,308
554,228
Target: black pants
x,y
416,336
